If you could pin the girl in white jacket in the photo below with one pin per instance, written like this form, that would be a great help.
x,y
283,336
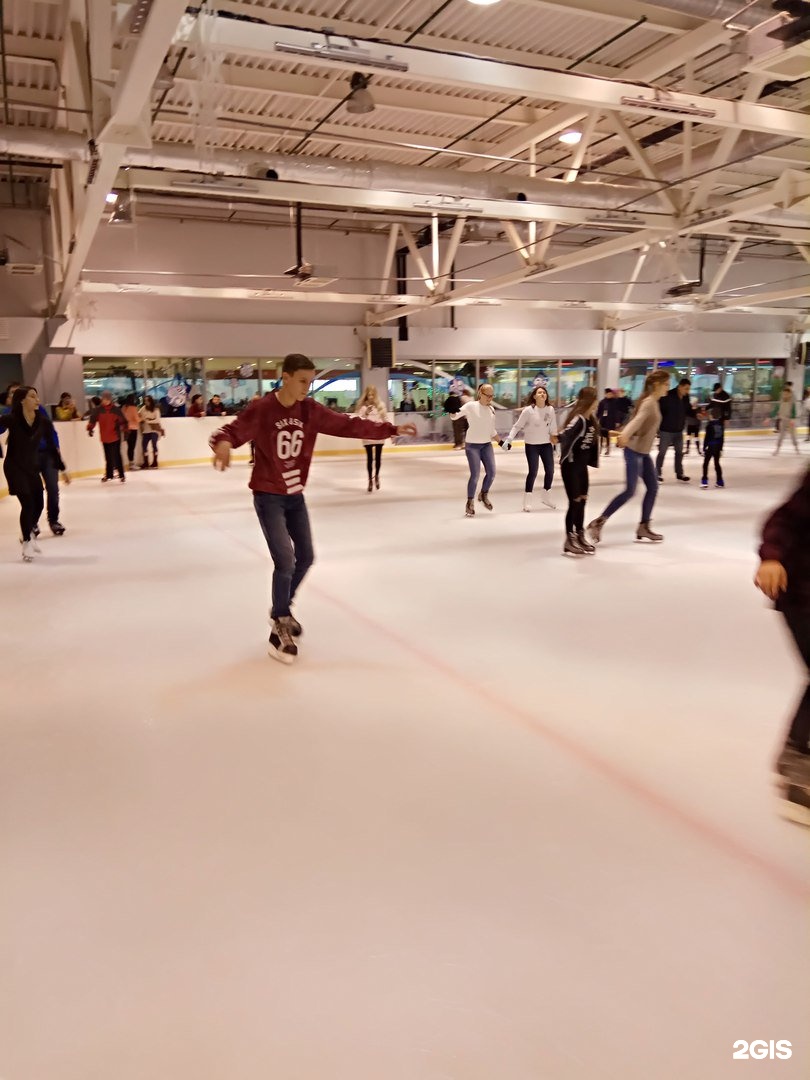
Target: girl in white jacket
x,y
539,421
369,407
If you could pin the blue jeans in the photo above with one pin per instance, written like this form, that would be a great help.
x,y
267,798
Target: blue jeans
x,y
285,524
478,453
534,454
636,464
50,474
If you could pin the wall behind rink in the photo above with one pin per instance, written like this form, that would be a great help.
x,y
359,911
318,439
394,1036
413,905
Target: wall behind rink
x,y
185,443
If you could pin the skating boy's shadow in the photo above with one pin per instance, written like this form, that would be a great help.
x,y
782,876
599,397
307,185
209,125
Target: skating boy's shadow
x,y
68,560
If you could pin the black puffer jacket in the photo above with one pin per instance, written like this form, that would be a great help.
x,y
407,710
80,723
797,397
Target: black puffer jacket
x,y
674,411
21,465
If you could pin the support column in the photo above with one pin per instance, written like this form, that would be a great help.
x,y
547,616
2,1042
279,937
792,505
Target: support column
x,y
607,373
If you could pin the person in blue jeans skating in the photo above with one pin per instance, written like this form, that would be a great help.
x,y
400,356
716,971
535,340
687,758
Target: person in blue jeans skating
x,y
636,438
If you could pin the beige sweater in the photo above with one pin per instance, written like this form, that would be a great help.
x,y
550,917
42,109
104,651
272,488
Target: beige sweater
x,y
639,433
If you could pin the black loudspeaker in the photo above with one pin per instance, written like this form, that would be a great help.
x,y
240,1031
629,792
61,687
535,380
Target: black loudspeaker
x,y
381,352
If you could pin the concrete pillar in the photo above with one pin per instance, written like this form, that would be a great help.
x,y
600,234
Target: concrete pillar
x,y
607,372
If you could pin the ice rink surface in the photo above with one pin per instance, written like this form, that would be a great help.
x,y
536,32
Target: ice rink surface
x,y
511,816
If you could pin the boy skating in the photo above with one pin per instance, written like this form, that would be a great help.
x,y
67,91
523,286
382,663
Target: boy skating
x,y
713,447
283,426
784,577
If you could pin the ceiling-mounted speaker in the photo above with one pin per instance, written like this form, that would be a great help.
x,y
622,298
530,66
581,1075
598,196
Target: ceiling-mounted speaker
x,y
381,352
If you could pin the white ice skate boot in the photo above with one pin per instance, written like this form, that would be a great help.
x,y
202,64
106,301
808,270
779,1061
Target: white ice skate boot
x,y
527,502
546,500
28,551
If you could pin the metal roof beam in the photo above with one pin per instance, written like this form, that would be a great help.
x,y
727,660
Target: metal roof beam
x,y
397,202
125,128
251,39
269,83
672,56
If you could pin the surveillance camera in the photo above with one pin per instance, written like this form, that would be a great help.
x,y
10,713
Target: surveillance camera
x,y
271,174
521,196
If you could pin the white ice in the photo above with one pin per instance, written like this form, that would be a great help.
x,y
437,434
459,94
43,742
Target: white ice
x,y
511,816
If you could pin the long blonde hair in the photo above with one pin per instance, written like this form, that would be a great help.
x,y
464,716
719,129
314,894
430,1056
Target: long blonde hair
x,y
650,383
370,398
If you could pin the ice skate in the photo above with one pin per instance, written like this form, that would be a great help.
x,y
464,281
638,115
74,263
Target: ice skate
x,y
377,482
281,645
546,500
58,529
720,484
295,626
644,532
595,529
370,485
795,801
704,483
572,546
470,508
484,498
527,502
27,551
587,549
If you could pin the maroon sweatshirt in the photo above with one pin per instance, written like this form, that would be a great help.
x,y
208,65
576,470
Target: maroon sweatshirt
x,y
786,538
284,439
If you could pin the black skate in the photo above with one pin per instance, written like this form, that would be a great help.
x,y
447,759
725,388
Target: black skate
x,y
281,645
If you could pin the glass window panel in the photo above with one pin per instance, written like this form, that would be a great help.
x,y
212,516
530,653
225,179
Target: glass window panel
x,y
410,387
503,375
632,374
535,373
574,375
337,384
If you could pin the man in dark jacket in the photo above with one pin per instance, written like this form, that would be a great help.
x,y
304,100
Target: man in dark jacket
x,y
784,577
607,415
675,407
722,399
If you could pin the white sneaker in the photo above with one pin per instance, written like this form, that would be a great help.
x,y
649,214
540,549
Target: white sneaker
x,y
545,499
28,551
527,502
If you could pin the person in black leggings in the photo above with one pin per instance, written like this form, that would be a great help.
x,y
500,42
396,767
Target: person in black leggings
x,y
369,407
579,449
27,428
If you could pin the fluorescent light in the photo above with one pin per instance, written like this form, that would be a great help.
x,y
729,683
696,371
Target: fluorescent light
x,y
111,199
571,138
342,54
667,106
484,3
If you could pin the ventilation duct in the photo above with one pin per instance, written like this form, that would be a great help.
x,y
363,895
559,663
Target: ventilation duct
x,y
736,12
375,175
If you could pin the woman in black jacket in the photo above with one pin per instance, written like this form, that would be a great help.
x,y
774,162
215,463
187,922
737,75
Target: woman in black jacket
x,y
27,428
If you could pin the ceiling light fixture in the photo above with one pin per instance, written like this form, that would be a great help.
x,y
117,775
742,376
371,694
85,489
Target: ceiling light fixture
x,y
570,138
359,100
344,54
667,106
485,3
111,199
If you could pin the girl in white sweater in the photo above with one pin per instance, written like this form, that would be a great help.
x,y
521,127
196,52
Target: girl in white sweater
x,y
480,417
539,421
369,407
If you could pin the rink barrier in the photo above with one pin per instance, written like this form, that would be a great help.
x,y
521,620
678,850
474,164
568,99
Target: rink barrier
x,y
180,447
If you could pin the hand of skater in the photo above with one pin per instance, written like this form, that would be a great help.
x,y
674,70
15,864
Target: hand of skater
x,y
222,456
406,429
621,442
771,578
65,477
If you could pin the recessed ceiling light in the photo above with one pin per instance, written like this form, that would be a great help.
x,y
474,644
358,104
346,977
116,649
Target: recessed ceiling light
x,y
484,3
571,137
111,199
